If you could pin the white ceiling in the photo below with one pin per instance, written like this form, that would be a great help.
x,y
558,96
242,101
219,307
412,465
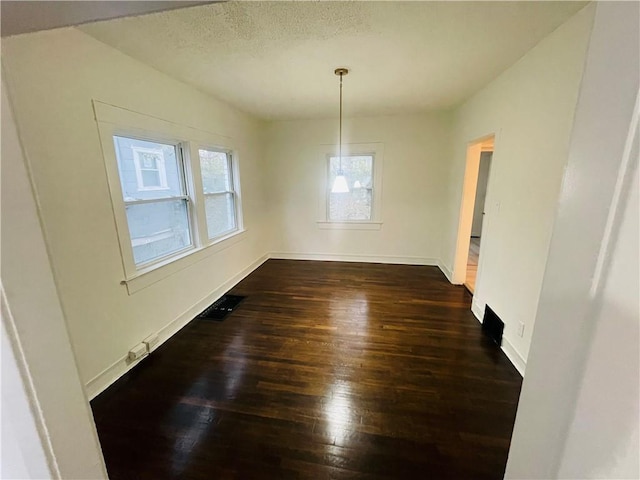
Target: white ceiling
x,y
276,59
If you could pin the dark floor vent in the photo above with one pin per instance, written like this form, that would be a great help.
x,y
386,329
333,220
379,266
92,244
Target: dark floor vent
x,y
222,307
492,326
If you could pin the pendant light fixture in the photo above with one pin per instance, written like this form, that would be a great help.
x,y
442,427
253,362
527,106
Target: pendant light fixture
x,y
340,183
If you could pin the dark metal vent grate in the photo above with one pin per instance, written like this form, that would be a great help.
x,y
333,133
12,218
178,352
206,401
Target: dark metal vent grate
x,y
222,307
492,326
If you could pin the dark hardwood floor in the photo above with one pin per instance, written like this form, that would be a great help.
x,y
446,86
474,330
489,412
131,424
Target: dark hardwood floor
x,y
326,370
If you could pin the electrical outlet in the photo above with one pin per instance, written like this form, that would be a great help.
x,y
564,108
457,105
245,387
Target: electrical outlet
x,y
520,329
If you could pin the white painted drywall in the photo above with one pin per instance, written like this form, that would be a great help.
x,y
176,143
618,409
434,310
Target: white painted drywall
x,y
602,441
530,108
53,76
578,411
21,451
413,186
481,193
40,345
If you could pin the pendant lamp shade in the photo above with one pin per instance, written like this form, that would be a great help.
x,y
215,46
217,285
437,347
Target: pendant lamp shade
x,y
340,183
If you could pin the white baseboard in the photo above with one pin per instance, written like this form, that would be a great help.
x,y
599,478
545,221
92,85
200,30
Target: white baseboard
x,y
477,310
514,356
103,380
112,373
109,375
333,257
446,270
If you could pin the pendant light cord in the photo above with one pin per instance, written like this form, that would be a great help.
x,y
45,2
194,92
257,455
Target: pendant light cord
x,y
340,144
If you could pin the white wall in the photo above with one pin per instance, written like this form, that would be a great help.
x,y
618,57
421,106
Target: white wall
x,y
414,179
44,409
605,444
53,76
21,452
578,411
530,109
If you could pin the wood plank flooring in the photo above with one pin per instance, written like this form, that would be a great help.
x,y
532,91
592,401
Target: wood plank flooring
x,y
472,264
325,371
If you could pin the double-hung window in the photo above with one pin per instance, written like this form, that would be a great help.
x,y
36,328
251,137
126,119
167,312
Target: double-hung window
x,y
176,197
152,178
357,203
219,192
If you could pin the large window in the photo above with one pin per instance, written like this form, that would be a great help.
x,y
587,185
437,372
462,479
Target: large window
x,y
152,178
160,211
219,192
175,192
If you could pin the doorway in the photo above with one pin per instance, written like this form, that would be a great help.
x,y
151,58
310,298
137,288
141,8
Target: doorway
x,y
478,218
472,222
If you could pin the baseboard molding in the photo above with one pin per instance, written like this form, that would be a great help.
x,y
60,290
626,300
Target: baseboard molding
x,y
477,310
121,366
332,257
107,377
514,356
446,270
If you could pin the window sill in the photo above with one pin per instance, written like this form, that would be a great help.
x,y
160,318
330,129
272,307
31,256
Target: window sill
x,y
158,271
349,225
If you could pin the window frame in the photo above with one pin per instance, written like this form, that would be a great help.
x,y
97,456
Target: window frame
x,y
375,150
187,195
329,187
116,121
234,190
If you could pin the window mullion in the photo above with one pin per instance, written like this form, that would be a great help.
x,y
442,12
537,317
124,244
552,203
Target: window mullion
x,y
198,193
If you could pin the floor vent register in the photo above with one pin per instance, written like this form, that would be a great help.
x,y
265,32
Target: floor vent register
x,y
222,307
492,326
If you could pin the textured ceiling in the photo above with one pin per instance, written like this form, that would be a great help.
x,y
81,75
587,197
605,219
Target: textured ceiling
x,y
276,59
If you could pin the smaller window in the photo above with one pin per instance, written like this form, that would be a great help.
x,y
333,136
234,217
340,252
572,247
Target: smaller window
x,y
150,170
220,197
356,204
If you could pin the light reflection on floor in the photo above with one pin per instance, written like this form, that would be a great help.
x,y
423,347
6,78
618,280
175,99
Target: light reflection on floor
x,y
351,311
202,422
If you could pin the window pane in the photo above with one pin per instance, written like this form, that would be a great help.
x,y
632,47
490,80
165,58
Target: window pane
x,y
215,171
356,203
143,164
151,178
158,229
220,214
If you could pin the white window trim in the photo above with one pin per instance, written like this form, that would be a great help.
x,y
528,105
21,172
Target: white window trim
x,y
131,268
162,172
116,121
235,187
351,149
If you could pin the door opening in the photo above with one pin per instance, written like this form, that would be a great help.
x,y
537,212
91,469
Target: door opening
x,y
467,263
478,219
